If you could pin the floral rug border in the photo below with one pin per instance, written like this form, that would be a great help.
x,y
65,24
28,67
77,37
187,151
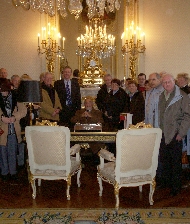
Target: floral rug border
x,y
149,216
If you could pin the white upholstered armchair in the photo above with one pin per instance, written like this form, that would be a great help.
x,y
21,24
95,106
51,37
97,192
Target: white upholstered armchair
x,y
49,155
135,163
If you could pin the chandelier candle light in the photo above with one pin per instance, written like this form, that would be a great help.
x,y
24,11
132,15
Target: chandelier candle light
x,y
52,45
133,42
96,42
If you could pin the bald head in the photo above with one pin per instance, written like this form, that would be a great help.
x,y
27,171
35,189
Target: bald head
x,y
154,79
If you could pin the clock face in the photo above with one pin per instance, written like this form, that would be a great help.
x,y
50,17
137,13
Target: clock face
x,y
92,63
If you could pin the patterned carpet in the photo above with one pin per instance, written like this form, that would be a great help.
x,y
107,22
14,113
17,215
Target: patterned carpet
x,y
93,216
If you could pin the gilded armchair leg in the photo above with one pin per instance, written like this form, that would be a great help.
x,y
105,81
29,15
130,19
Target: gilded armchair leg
x,y
78,178
116,191
33,184
152,189
68,187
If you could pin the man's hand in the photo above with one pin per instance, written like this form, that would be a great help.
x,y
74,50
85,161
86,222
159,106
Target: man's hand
x,y
56,111
106,114
8,120
86,114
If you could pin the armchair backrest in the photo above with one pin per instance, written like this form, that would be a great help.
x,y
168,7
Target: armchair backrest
x,y
48,147
137,152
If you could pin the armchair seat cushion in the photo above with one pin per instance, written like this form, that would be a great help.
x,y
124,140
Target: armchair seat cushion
x,y
74,164
49,172
135,179
108,171
61,173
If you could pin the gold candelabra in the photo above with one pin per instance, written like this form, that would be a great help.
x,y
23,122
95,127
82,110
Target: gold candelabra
x,y
51,45
133,42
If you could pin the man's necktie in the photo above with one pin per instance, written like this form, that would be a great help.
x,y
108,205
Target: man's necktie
x,y
69,101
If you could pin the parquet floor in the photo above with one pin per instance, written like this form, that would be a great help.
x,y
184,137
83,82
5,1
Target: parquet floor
x,y
52,194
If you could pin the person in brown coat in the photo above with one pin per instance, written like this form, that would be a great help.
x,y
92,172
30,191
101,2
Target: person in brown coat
x,y
88,115
11,148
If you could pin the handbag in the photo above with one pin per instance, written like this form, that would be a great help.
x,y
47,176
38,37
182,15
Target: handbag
x,y
1,131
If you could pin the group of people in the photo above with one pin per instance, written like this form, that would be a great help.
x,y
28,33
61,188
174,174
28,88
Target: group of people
x,y
160,101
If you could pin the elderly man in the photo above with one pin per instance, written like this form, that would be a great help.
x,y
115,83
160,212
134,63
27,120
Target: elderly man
x,y
15,81
51,106
69,94
174,120
151,101
3,73
89,115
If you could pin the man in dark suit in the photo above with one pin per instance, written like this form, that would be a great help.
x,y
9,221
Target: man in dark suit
x,y
69,95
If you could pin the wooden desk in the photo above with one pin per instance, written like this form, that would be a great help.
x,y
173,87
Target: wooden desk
x,y
100,137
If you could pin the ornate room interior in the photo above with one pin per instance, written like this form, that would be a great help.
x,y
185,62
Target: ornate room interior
x,y
131,37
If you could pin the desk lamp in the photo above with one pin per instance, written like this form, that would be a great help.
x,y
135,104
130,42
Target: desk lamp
x,y
30,92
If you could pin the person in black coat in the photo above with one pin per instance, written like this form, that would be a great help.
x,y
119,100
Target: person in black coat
x,y
113,105
73,103
137,103
103,92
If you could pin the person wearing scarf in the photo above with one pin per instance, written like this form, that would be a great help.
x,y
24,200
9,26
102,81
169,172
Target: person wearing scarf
x,y
11,147
51,106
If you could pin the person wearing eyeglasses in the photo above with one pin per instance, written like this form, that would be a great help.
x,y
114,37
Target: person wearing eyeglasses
x,y
174,120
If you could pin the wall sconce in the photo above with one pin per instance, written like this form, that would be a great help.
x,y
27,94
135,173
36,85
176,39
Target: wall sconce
x,y
51,45
133,42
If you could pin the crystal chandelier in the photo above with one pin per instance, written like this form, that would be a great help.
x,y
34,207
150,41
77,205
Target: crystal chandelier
x,y
95,7
96,42
51,44
133,44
